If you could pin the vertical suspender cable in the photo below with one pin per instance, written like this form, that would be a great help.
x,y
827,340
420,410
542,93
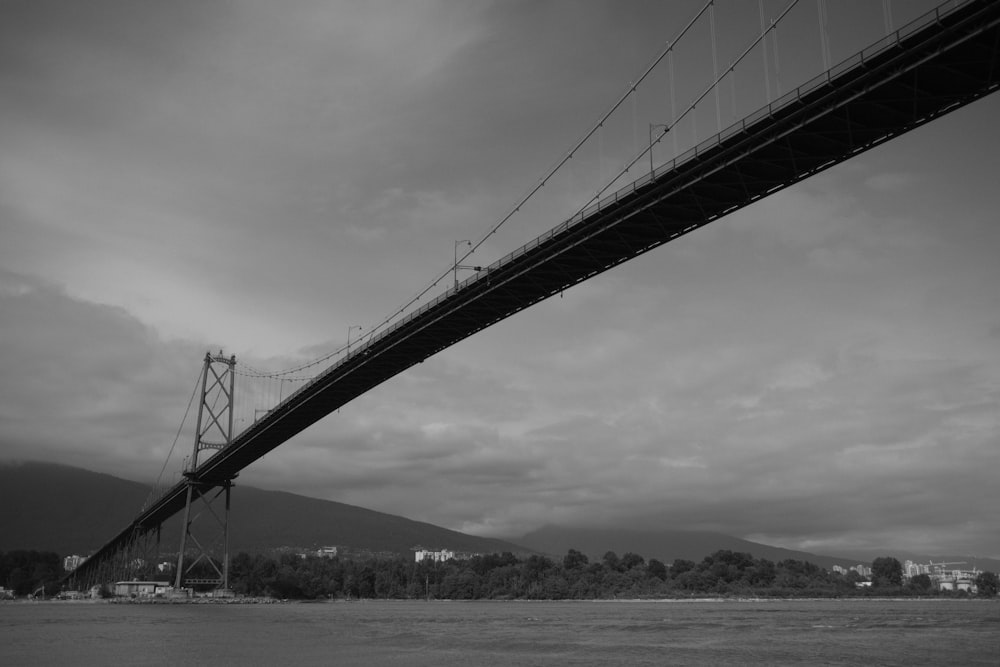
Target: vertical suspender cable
x,y
732,90
824,38
600,152
777,60
887,16
763,45
694,124
715,66
826,31
635,131
673,96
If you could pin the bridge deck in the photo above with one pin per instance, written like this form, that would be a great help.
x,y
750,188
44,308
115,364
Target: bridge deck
x,y
887,90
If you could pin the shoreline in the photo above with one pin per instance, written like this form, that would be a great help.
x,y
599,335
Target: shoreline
x,y
692,600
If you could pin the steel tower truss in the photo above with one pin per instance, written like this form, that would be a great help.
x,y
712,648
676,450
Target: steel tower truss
x,y
214,431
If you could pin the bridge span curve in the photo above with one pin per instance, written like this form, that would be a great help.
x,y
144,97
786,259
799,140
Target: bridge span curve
x,y
948,60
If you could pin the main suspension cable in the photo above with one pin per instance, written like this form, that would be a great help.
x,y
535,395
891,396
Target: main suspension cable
x,y
597,128
180,428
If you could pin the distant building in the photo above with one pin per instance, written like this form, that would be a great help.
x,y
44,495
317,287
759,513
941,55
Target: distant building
x,y
960,582
912,569
71,595
327,552
141,589
863,570
439,556
70,563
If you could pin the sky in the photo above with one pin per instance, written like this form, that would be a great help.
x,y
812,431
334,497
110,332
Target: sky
x,y
820,370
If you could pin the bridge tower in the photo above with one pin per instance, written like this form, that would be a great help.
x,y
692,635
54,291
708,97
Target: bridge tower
x,y
214,431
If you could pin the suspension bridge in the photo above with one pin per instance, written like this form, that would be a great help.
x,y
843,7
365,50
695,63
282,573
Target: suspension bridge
x,y
913,74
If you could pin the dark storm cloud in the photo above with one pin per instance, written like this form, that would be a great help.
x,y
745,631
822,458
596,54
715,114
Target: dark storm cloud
x,y
84,382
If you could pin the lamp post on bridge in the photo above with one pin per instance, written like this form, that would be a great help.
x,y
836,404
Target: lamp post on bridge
x,y
456,266
349,330
653,126
281,386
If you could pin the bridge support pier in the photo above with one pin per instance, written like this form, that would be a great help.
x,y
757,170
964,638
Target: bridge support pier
x,y
214,566
199,561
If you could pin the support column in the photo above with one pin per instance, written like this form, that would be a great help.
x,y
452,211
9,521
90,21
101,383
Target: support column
x,y
225,556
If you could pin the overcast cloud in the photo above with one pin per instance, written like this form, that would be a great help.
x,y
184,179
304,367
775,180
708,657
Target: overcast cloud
x,y
820,370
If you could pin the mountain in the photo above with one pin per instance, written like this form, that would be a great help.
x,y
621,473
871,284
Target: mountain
x,y
58,508
50,507
664,545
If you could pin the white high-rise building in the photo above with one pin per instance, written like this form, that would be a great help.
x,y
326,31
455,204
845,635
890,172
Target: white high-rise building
x,y
437,556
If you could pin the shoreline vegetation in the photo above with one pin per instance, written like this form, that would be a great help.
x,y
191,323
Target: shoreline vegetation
x,y
723,575
338,601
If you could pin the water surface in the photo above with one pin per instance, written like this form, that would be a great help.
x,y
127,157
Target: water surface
x,y
815,632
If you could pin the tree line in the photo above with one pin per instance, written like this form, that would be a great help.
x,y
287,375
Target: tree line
x,y
505,576
25,572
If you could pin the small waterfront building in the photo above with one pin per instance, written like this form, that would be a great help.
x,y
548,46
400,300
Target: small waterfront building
x,y
71,595
141,589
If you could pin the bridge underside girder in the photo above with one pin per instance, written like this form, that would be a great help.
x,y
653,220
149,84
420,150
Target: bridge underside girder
x,y
943,66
